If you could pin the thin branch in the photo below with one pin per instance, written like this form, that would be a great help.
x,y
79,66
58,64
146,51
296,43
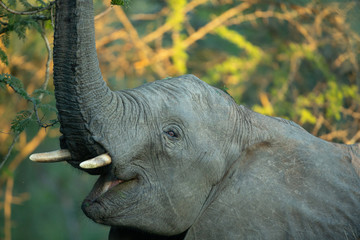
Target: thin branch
x,y
354,138
100,15
150,16
43,87
120,34
47,66
40,123
339,134
215,23
52,17
288,16
9,151
29,12
167,26
200,33
8,133
45,84
193,4
143,49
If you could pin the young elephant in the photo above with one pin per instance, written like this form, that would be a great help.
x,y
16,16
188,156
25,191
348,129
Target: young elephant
x,y
178,159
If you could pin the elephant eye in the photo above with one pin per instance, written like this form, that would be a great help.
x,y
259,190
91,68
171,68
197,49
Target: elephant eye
x,y
172,134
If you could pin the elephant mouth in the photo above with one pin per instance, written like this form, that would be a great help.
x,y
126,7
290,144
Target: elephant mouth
x,y
107,196
106,185
109,185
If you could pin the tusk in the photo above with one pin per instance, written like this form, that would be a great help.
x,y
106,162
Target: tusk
x,y
99,161
54,156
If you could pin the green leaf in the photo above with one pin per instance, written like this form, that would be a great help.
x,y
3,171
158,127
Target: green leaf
x,y
25,4
12,3
21,121
119,2
47,107
38,92
5,39
15,84
3,57
307,117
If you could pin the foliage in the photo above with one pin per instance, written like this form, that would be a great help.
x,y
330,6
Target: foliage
x,y
119,2
15,84
293,59
24,108
19,21
24,117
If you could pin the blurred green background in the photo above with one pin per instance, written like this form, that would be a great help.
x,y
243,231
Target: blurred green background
x,y
292,59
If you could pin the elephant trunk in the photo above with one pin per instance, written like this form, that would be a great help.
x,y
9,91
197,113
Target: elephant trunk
x,y
80,92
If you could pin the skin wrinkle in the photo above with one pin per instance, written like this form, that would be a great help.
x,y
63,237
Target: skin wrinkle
x,y
173,209
129,112
245,131
114,101
228,160
245,127
226,154
253,133
75,62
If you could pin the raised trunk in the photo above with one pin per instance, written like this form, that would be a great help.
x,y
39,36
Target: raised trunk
x,y
81,94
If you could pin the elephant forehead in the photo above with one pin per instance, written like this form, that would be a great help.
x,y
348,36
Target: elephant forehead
x,y
179,89
185,99
185,94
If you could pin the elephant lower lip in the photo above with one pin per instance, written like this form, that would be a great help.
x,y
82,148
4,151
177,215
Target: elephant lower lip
x,y
96,206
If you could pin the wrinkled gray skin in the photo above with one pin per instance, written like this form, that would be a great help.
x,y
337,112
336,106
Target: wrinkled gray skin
x,y
195,165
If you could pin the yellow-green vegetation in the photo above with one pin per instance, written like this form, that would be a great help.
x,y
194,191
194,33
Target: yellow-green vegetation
x,y
176,19
235,69
118,2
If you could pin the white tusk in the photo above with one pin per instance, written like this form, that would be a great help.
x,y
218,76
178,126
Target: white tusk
x,y
99,161
54,156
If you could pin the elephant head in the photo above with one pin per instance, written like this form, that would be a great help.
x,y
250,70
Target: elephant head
x,y
154,141
165,161
178,154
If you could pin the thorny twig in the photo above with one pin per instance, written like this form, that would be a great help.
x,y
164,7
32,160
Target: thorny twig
x,y
9,150
35,111
47,66
40,123
29,12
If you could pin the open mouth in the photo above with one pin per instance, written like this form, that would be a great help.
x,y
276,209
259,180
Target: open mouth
x,y
99,204
110,193
111,184
106,185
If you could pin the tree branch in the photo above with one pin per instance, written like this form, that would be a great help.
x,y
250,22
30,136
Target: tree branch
x,y
35,111
200,33
9,151
28,12
102,14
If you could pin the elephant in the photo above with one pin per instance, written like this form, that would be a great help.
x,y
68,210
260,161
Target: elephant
x,y
179,159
